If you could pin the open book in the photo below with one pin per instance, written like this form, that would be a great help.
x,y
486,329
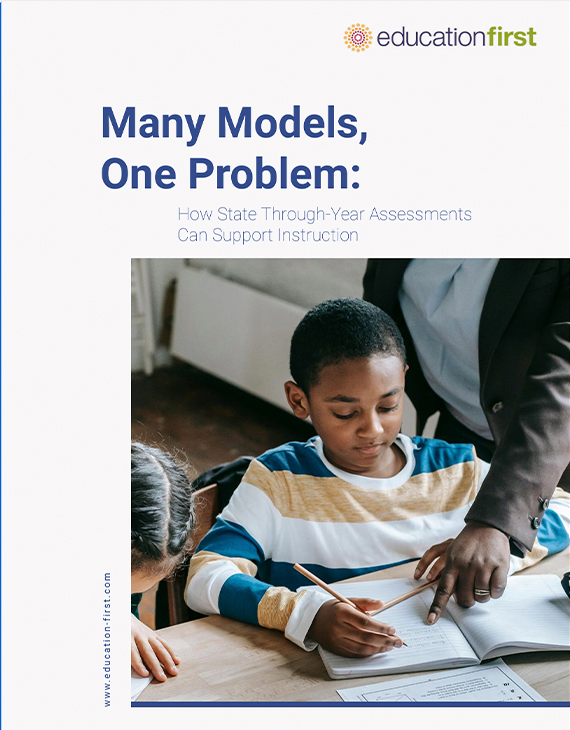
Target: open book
x,y
532,615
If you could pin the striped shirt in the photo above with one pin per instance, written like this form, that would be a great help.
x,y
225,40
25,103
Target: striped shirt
x,y
293,506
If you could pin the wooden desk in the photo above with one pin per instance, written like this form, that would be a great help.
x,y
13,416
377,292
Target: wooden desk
x,y
223,660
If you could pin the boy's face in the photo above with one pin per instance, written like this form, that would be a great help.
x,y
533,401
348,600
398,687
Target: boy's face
x,y
356,408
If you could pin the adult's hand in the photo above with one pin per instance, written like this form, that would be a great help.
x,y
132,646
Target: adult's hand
x,y
478,558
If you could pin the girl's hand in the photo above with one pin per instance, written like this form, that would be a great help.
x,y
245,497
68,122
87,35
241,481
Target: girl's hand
x,y
345,631
150,652
437,553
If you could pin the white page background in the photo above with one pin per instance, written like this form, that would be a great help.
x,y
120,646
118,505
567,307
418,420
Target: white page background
x,y
483,129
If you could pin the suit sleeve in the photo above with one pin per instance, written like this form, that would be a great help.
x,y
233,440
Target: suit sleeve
x,y
553,534
225,572
534,450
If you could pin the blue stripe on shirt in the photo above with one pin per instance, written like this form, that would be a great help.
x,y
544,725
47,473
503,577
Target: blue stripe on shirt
x,y
283,574
552,533
233,541
239,597
432,454
297,458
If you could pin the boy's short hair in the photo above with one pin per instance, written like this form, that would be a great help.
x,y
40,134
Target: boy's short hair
x,y
337,330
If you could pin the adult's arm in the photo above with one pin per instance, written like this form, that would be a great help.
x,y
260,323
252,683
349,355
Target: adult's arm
x,y
525,469
534,450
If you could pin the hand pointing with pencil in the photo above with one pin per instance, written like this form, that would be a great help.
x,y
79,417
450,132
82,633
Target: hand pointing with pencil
x,y
345,626
351,632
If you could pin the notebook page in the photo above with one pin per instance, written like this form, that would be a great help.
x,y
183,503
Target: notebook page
x,y
439,645
533,612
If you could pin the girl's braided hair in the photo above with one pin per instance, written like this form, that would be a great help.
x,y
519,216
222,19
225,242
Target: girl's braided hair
x,y
162,515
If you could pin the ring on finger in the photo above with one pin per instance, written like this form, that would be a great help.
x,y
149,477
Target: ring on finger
x,y
481,592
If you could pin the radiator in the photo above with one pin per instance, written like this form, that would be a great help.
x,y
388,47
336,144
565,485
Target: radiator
x,y
236,333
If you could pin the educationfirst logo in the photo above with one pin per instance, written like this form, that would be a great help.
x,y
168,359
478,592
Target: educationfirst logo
x,y
358,37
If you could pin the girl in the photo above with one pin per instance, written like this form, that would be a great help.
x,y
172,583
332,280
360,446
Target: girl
x,y
162,519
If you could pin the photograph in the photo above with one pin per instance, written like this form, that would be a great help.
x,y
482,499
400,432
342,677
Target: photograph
x,y
319,441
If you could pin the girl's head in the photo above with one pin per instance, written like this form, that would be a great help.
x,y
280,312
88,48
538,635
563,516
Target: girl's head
x,y
162,516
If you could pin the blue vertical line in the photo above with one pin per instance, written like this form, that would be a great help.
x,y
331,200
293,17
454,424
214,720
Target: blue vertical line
x,y
1,293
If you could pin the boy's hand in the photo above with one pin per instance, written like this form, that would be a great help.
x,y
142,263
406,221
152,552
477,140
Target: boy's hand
x,y
149,651
345,631
437,553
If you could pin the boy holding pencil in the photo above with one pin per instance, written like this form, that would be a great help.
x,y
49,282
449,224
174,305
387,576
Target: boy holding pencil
x,y
358,497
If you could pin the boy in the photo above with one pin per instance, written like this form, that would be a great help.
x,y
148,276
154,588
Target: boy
x,y
358,497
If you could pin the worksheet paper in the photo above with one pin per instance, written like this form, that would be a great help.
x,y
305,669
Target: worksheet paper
x,y
493,682
138,683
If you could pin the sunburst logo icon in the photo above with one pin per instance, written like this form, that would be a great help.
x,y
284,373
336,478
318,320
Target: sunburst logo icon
x,y
357,37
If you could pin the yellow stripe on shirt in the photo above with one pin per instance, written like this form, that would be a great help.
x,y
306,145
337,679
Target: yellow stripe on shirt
x,y
326,499
200,559
276,607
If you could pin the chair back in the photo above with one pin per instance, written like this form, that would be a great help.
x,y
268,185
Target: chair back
x,y
205,512
212,492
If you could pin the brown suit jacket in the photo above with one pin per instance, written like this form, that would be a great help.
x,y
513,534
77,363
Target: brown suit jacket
x,y
524,369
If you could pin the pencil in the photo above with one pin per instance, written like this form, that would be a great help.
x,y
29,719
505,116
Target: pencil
x,y
403,597
338,596
324,586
